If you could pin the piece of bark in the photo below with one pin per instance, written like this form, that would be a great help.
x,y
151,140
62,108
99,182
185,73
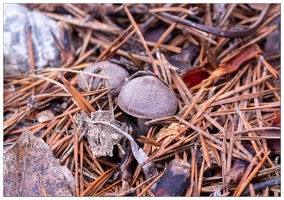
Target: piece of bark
x,y
175,179
262,185
273,143
236,172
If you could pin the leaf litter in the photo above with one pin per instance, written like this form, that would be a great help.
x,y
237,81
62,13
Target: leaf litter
x,y
221,61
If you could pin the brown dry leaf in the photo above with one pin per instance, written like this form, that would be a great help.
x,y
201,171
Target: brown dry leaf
x,y
44,115
29,166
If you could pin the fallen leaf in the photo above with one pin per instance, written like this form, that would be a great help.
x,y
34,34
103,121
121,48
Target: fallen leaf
x,y
238,59
277,120
30,167
44,116
166,135
229,65
194,77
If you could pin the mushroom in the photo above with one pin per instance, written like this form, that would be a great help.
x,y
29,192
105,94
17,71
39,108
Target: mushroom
x,y
116,72
147,98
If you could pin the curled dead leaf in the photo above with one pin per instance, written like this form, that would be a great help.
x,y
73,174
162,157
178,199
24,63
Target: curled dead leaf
x,y
173,132
44,116
229,65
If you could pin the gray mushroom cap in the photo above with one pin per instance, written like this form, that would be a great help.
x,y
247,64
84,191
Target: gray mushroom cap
x,y
147,97
116,72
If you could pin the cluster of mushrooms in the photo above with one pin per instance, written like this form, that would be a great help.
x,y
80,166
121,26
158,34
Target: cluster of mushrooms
x,y
143,97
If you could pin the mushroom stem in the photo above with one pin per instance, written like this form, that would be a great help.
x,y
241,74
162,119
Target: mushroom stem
x,y
138,125
143,128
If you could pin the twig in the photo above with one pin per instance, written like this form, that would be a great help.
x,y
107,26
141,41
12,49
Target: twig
x,y
260,186
220,32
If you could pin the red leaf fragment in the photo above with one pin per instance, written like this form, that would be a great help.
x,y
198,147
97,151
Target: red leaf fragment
x,y
194,77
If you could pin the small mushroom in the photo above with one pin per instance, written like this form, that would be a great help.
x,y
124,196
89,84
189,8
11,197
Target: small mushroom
x,y
116,72
147,98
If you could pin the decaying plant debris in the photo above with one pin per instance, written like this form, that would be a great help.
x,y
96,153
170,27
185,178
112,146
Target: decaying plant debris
x,y
221,61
